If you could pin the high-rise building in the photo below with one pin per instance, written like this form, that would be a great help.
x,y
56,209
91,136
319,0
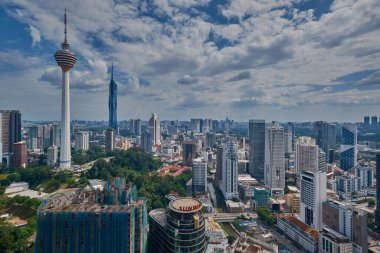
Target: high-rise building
x,y
196,125
345,219
219,165
56,135
110,140
377,212
112,104
306,155
199,175
257,149
229,182
313,194
154,128
366,121
112,220
135,126
179,228
348,156
374,122
331,241
366,175
146,141
11,129
66,59
20,155
207,125
261,196
325,134
210,139
52,155
274,176
288,142
82,141
189,150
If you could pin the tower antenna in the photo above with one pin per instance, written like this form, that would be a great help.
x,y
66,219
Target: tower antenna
x,y
65,27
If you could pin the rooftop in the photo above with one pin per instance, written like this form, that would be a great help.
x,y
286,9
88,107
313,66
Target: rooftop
x,y
159,215
302,226
185,205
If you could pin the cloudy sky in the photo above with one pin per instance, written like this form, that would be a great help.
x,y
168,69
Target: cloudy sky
x,y
282,60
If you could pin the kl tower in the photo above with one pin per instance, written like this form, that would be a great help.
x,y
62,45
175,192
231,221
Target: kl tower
x,y
66,59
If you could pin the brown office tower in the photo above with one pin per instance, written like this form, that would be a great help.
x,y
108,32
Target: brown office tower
x,y
189,149
345,219
20,155
10,129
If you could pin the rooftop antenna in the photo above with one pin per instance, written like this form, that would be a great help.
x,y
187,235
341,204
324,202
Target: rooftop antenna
x,y
112,72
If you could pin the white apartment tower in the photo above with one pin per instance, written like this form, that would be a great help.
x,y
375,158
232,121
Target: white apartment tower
x,y
229,182
154,129
82,141
306,156
313,194
274,175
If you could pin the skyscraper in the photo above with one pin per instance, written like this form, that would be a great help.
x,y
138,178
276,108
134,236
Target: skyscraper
x,y
374,122
20,155
229,182
110,140
10,129
81,141
135,126
274,176
189,149
154,128
178,228
366,121
348,156
112,104
325,134
146,141
199,175
257,148
308,156
313,194
52,155
66,59
112,220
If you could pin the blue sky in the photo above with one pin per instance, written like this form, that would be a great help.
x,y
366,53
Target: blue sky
x,y
294,60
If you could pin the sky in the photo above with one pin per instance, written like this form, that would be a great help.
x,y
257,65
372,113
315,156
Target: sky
x,y
286,60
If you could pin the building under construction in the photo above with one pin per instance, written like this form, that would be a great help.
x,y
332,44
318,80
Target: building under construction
x,y
112,220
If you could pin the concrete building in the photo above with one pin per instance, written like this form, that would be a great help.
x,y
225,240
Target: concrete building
x,y
110,140
135,126
10,129
313,194
82,141
146,142
331,241
299,232
325,138
261,197
293,201
229,182
20,155
274,176
306,154
257,148
350,222
288,142
52,156
199,175
178,228
154,129
66,59
346,185
348,148
189,150
111,220
196,125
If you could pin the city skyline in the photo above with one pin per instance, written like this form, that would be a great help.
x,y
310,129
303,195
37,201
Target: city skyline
x,y
196,58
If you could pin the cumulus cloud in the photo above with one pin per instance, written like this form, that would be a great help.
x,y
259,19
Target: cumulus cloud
x,y
240,76
35,34
187,79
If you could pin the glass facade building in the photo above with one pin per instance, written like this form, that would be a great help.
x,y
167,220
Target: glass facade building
x,y
178,228
348,154
112,104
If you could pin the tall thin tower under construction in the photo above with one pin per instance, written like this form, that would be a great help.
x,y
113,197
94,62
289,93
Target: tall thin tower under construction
x,y
66,59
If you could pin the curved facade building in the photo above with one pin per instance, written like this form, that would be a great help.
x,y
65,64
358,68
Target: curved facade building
x,y
178,228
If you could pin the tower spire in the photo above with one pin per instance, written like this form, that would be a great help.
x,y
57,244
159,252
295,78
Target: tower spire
x,y
112,72
65,28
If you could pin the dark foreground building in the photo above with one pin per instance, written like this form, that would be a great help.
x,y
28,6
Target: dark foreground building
x,y
178,228
111,221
